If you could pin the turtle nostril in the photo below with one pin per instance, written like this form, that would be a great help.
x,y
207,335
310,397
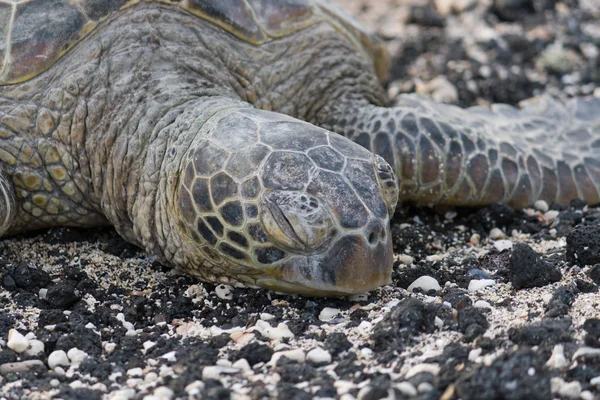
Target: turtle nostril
x,y
383,233
373,237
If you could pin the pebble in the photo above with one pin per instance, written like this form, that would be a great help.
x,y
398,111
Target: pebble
x,y
446,7
586,352
151,377
22,366
134,382
569,390
557,360
594,274
56,358
551,215
583,245
528,270
266,316
35,347
359,297
123,394
99,386
406,259
439,89
318,356
242,364
425,387
407,389
194,388
163,393
296,355
431,368
425,283
110,347
147,345
224,292
135,372
478,284
482,304
439,323
502,245
215,371
474,354
171,356
496,233
586,395
76,356
328,313
541,205
17,342
278,333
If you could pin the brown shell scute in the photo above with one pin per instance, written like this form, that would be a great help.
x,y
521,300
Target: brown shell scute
x,y
234,15
37,32
5,18
283,16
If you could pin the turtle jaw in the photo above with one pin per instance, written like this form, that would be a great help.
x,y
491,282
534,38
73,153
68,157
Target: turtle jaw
x,y
351,266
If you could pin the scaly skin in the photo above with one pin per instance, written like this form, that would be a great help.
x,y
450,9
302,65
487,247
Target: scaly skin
x,y
445,155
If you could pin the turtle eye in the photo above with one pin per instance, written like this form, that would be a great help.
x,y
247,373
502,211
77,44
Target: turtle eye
x,y
389,184
296,220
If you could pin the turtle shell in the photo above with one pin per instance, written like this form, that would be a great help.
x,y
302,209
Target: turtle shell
x,y
36,33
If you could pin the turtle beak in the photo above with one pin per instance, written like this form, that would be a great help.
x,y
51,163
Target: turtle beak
x,y
353,265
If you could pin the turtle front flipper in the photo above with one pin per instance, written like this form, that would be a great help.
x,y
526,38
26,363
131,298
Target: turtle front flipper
x,y
7,203
442,154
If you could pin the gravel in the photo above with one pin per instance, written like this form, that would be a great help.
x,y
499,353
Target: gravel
x,y
102,319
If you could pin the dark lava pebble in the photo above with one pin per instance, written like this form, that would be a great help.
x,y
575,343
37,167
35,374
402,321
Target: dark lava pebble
x,y
509,377
583,245
585,286
253,353
512,10
294,372
336,343
548,331
80,394
82,338
457,297
594,274
592,329
25,277
472,323
528,270
289,392
560,302
407,318
63,294
7,322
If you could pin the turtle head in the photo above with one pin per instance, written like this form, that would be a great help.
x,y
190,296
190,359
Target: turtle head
x,y
288,206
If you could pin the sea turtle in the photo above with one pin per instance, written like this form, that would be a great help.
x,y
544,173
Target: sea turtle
x,y
248,141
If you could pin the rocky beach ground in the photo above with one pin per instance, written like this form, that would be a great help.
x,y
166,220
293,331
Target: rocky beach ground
x,y
488,303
